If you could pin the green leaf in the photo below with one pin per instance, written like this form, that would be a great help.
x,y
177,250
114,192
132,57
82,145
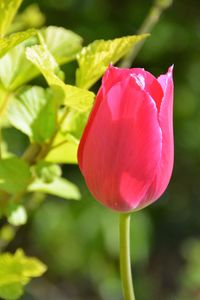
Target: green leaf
x,y
14,39
8,9
16,270
59,187
15,69
47,172
65,146
11,291
65,152
32,111
14,175
94,59
62,43
74,124
41,57
30,17
73,97
77,99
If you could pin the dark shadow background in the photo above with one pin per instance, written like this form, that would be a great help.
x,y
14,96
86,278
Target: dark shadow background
x,y
79,240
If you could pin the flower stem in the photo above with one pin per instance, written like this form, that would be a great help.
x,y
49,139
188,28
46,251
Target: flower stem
x,y
159,6
125,258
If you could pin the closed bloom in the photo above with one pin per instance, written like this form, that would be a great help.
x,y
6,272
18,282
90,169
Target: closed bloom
x,y
126,152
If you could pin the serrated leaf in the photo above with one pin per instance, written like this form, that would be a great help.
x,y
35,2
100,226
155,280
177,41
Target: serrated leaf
x,y
16,69
40,56
16,270
14,175
73,97
62,43
14,39
59,187
8,9
32,111
94,59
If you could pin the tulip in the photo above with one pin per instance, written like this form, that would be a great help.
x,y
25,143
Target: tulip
x,y
126,152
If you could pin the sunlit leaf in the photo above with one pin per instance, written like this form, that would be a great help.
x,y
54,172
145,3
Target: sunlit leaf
x,y
62,43
95,58
74,124
14,175
16,270
65,146
59,187
15,69
4,100
30,17
32,110
14,39
73,97
41,57
65,152
78,99
8,9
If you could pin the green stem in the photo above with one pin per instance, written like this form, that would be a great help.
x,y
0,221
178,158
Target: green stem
x,y
31,153
125,257
4,103
150,21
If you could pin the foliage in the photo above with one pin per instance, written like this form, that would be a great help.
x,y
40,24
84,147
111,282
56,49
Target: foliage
x,y
37,119
78,240
174,219
8,43
50,117
95,58
7,13
14,175
16,270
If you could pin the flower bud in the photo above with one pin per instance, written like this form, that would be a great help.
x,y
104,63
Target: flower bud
x,y
126,152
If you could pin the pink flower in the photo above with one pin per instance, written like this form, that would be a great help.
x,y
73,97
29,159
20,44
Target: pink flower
x,y
126,152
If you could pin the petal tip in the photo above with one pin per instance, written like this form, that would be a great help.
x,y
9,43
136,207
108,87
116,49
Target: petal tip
x,y
110,66
171,69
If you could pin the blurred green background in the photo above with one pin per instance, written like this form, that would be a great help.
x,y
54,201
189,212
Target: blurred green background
x,y
79,240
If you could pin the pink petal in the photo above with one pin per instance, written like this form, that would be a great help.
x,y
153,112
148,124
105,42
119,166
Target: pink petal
x,y
151,85
92,115
166,123
121,149
145,79
112,76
